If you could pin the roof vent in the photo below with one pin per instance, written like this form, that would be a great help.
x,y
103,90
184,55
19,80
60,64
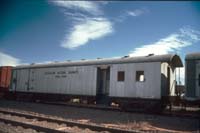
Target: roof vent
x,y
32,63
126,56
98,58
82,59
150,55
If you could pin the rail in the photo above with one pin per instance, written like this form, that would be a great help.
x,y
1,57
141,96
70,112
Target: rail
x,y
68,123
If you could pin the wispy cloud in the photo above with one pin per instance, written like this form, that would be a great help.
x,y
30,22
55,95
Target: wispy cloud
x,y
131,13
8,60
87,6
137,12
87,26
90,29
172,43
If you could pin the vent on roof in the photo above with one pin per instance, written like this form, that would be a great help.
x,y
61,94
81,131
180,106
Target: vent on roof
x,y
150,55
32,63
82,59
98,58
126,56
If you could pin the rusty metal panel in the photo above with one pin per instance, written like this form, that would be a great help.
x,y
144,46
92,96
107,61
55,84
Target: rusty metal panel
x,y
5,77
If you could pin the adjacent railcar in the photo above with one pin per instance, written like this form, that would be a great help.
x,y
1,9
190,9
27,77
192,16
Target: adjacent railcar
x,y
5,77
192,77
143,79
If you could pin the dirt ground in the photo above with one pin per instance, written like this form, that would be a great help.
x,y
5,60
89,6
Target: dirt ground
x,y
122,120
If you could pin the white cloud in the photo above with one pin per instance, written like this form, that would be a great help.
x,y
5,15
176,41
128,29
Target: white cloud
x,y
172,43
88,6
87,25
137,12
75,16
131,13
8,60
90,29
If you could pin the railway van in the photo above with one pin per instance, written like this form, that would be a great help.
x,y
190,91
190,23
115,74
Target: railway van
x,y
128,80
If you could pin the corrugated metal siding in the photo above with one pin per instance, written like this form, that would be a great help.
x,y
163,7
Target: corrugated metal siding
x,y
22,80
190,78
150,88
197,79
5,76
79,80
47,80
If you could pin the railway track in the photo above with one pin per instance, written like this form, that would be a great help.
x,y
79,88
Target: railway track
x,y
164,113
26,124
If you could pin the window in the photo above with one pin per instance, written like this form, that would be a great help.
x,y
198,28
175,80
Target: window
x,y
140,76
120,76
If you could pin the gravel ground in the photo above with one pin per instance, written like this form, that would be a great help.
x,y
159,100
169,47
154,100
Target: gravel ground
x,y
7,128
51,125
109,118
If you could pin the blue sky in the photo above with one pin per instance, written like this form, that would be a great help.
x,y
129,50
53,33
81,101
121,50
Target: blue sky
x,y
43,31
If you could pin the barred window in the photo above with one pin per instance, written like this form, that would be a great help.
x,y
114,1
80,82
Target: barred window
x,y
120,76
